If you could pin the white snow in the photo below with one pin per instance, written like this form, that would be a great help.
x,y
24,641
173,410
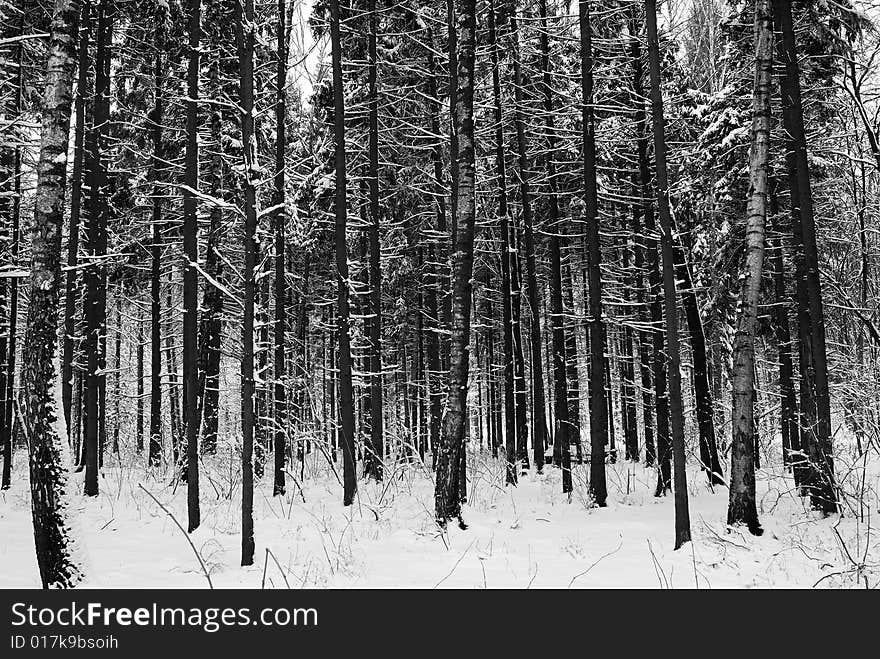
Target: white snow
x,y
528,536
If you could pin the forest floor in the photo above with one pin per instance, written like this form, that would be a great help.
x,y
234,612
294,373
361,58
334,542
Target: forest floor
x,y
528,536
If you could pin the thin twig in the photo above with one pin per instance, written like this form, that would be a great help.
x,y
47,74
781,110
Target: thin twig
x,y
185,534
598,560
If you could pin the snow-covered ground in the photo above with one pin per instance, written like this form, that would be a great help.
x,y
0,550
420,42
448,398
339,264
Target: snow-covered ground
x,y
530,536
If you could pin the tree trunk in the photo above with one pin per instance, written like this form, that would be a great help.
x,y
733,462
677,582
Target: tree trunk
x,y
157,171
447,493
373,464
139,412
676,413
211,318
14,212
791,440
507,327
815,402
538,422
46,432
190,278
346,394
643,213
70,295
742,508
280,268
433,279
96,294
703,394
598,407
245,37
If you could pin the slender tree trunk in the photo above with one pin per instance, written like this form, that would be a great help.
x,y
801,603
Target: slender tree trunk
x,y
676,413
157,171
47,440
139,413
280,268
373,465
346,394
742,508
507,327
814,368
211,317
70,295
532,294
433,279
173,383
791,440
96,294
598,407
14,212
643,213
705,421
190,279
447,493
117,376
245,36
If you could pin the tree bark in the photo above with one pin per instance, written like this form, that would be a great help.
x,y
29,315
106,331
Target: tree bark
x,y
157,172
676,413
598,406
245,37
190,279
815,401
346,394
70,295
96,247
46,432
507,327
742,508
702,392
280,267
643,214
433,279
447,492
373,463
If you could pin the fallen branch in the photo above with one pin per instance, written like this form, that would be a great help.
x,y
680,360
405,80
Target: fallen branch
x,y
598,560
185,534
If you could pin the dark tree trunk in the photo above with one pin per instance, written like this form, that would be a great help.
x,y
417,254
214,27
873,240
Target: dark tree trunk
x,y
507,327
96,293
702,392
572,366
190,278
173,383
280,268
676,413
598,408
117,381
139,412
815,402
791,440
346,394
157,172
627,364
373,464
211,318
643,213
13,207
245,38
71,292
433,280
538,421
